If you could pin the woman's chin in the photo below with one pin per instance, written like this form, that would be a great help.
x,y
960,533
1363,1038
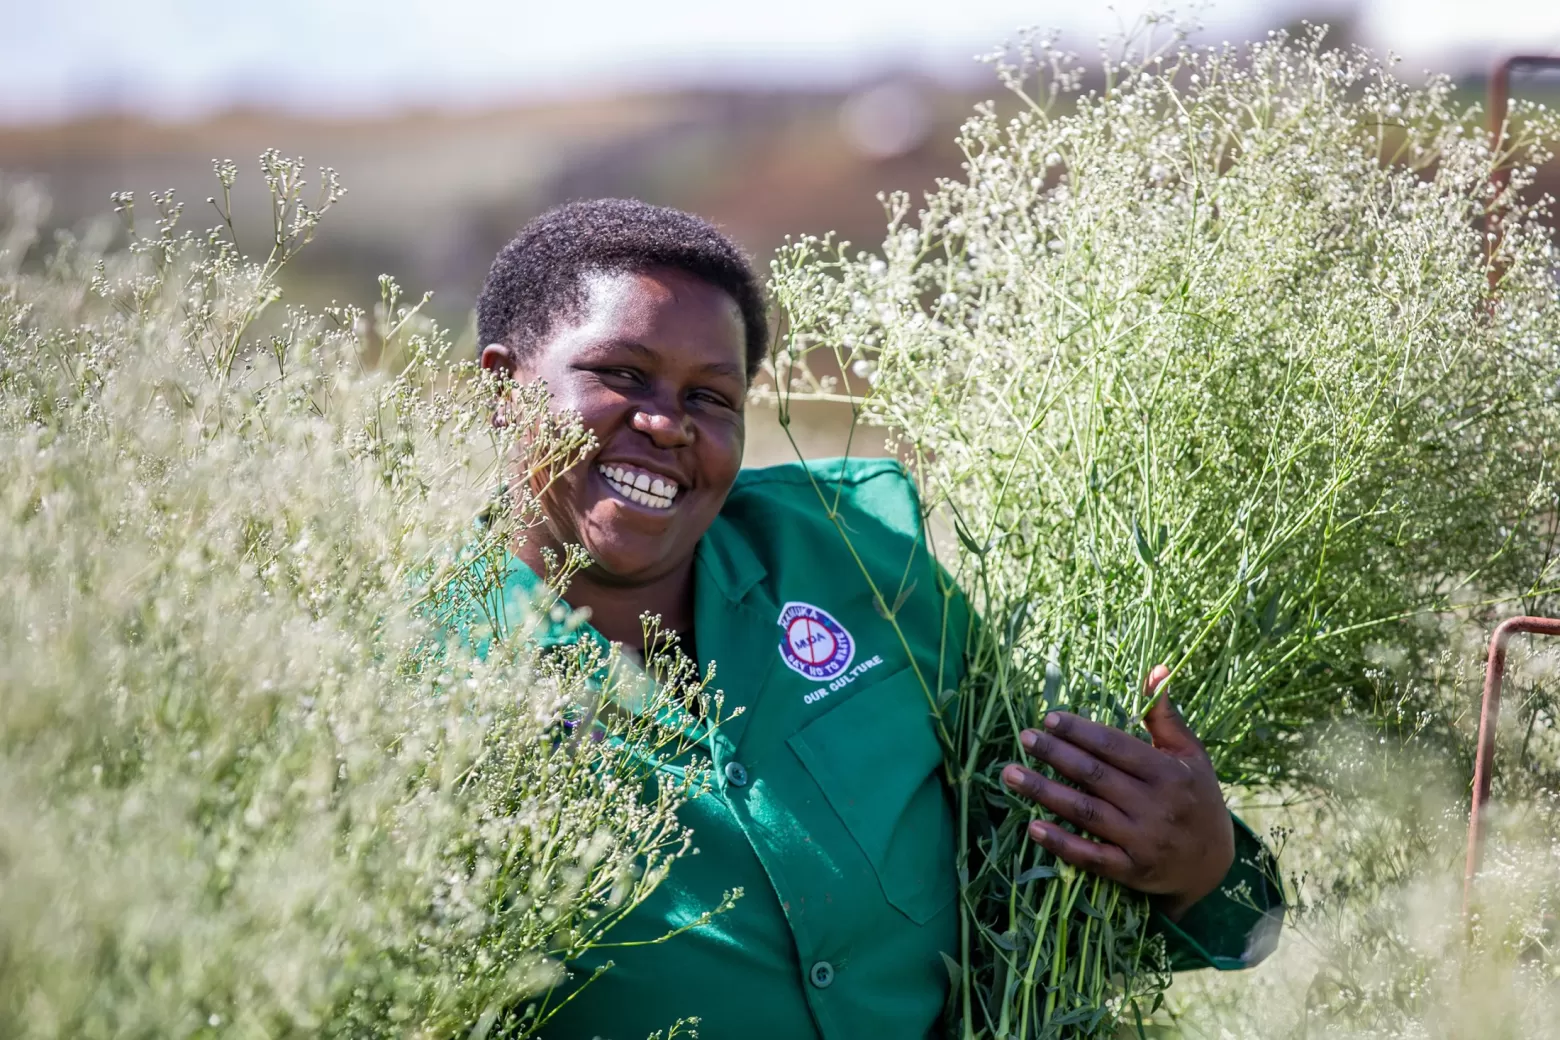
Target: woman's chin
x,y
626,561
626,545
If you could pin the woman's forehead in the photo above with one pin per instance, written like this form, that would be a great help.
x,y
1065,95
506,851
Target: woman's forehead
x,y
656,303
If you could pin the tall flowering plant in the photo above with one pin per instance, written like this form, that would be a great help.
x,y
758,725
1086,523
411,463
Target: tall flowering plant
x,y
1198,365
250,785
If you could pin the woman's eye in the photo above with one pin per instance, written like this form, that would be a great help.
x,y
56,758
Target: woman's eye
x,y
622,375
710,397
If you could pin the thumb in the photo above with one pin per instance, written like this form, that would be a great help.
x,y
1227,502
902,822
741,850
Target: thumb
x,y
1163,722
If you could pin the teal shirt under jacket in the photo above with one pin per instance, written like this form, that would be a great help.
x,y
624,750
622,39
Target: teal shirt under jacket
x,y
828,806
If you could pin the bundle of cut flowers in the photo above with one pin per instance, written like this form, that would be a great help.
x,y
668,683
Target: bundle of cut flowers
x,y
1235,361
248,786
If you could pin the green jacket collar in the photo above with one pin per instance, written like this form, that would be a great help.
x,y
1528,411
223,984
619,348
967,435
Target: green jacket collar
x,y
733,618
734,626
728,560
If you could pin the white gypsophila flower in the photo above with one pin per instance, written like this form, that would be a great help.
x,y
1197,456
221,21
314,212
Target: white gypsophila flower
x,y
254,778
1245,304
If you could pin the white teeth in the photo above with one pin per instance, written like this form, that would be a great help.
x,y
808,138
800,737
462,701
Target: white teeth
x,y
640,487
644,498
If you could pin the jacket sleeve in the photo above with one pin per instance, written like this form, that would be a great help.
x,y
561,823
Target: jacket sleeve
x,y
1237,924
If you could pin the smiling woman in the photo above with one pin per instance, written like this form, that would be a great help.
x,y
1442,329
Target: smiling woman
x,y
830,809
654,368
643,335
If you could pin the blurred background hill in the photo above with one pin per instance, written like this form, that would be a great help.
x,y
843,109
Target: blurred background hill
x,y
433,195
452,124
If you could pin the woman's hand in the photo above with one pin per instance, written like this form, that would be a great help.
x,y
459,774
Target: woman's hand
x,y
1157,810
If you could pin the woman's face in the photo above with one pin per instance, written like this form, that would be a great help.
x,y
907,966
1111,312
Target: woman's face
x,y
655,366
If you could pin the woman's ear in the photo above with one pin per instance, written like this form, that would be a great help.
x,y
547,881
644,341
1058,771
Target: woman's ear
x,y
499,359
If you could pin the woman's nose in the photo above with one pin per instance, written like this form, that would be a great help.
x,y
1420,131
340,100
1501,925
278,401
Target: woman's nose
x,y
666,427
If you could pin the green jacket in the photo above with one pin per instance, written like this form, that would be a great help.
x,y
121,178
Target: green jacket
x,y
828,809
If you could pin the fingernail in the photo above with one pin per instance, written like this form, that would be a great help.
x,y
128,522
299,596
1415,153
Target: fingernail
x,y
1013,776
1030,739
1051,720
1040,832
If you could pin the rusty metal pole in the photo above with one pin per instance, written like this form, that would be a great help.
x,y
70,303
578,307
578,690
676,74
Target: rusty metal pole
x,y
1489,713
1495,667
1499,105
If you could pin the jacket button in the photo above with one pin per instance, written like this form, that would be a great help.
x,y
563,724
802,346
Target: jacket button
x,y
736,774
822,974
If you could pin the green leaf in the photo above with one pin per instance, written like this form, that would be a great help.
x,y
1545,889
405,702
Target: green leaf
x,y
967,539
1145,551
1070,1018
1015,622
1053,684
955,972
1269,615
1034,874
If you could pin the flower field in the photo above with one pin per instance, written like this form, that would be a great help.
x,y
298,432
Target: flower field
x,y
1238,362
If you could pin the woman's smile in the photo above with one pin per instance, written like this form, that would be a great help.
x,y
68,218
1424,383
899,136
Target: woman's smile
x,y
640,486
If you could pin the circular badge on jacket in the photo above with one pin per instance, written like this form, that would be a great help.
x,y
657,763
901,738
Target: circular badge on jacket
x,y
812,643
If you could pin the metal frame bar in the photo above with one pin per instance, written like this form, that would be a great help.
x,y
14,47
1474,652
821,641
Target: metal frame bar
x,y
1495,666
1489,714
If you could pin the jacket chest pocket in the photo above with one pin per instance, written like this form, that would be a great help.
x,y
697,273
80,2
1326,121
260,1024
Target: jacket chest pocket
x,y
877,760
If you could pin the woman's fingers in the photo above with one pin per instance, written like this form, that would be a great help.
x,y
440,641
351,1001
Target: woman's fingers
x,y
1170,732
1091,773
1108,744
1094,815
1108,861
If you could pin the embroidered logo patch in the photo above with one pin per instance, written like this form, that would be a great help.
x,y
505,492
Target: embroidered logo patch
x,y
812,643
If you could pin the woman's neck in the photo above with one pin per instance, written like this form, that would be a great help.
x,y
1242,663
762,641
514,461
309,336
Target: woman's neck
x,y
615,608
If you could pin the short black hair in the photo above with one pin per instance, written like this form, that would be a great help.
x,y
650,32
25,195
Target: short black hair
x,y
539,276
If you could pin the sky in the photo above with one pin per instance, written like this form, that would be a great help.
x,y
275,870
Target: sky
x,y
180,58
